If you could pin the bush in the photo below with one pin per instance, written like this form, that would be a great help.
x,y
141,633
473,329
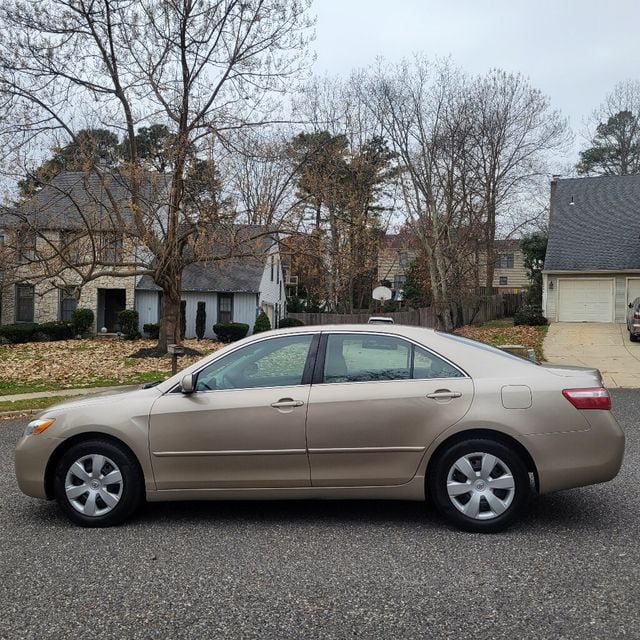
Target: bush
x,y
529,315
152,329
128,321
82,320
231,331
55,330
18,333
290,322
201,320
262,323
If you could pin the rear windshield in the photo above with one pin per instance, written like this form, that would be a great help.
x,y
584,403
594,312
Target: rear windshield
x,y
485,347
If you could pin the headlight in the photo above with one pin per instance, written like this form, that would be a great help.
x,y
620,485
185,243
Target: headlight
x,y
38,426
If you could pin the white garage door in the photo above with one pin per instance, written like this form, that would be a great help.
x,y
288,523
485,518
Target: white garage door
x,y
633,289
581,300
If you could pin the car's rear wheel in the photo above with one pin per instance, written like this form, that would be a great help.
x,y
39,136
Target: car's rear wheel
x,y
98,483
479,485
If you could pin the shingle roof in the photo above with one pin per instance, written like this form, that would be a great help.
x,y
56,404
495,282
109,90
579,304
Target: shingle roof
x,y
595,224
241,274
76,198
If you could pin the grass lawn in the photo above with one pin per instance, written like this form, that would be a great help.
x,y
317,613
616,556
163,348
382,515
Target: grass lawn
x,y
499,332
33,404
72,364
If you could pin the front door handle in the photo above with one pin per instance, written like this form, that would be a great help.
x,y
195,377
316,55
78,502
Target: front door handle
x,y
286,403
444,394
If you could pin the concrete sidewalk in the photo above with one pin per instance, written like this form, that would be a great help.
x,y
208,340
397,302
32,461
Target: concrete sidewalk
x,y
60,393
605,346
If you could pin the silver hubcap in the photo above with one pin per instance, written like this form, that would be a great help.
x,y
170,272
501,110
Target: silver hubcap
x,y
481,486
93,485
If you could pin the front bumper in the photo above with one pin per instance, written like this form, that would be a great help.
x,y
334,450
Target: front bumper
x,y
578,458
32,456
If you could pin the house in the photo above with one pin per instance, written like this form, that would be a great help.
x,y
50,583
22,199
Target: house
x,y
510,273
64,229
592,266
68,227
398,250
233,289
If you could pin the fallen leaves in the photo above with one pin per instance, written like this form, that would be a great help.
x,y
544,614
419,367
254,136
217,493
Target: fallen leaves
x,y
77,363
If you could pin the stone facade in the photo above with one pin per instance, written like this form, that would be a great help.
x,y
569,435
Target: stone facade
x,y
47,290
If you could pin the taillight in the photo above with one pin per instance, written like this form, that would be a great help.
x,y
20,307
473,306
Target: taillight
x,y
592,398
636,315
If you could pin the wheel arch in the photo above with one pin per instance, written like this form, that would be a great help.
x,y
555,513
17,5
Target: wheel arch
x,y
63,447
491,434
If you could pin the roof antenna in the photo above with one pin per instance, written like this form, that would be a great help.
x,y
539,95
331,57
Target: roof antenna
x,y
572,203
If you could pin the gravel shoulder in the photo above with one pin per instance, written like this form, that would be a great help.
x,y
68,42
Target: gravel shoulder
x,y
325,570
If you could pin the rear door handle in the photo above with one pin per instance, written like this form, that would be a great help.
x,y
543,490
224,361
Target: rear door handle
x,y
444,395
286,403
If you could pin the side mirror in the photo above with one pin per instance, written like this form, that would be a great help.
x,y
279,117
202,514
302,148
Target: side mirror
x,y
188,383
631,305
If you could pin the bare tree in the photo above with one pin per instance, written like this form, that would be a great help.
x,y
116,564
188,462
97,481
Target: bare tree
x,y
202,68
514,132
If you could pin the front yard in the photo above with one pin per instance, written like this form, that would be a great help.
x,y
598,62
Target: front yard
x,y
499,332
69,364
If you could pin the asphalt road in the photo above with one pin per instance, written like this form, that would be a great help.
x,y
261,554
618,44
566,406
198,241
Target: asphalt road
x,y
570,570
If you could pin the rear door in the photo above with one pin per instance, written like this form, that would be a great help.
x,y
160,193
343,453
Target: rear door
x,y
376,403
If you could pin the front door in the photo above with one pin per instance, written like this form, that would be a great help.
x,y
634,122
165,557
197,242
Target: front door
x,y
380,402
110,303
244,426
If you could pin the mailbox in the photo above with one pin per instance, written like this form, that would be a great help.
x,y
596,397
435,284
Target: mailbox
x,y
175,349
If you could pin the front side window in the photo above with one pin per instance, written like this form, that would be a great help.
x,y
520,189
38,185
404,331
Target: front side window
x,y
374,358
276,362
24,303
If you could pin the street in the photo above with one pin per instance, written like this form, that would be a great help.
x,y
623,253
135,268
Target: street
x,y
570,569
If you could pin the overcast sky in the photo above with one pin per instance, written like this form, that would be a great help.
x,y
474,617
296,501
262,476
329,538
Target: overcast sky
x,y
573,50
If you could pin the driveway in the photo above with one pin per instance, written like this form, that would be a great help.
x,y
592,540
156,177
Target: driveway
x,y
605,346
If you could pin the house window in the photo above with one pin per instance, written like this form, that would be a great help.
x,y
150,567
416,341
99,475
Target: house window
x,y
70,246
111,247
277,274
505,261
225,307
68,303
398,281
503,281
404,259
24,302
272,265
26,245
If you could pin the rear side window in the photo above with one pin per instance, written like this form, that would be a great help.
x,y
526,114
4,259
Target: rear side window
x,y
375,358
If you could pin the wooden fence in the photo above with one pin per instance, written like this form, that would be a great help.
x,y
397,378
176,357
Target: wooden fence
x,y
492,308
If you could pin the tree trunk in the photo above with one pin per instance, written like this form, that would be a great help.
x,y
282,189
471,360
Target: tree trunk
x,y
170,312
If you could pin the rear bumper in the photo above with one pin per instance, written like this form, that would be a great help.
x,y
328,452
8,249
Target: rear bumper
x,y
578,458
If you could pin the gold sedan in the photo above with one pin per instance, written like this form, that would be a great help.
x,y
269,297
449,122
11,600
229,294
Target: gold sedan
x,y
348,411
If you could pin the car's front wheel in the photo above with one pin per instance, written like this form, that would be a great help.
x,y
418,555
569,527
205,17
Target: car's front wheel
x,y
98,483
479,485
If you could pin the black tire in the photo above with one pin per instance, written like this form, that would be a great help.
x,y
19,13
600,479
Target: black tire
x,y
632,338
485,522
130,489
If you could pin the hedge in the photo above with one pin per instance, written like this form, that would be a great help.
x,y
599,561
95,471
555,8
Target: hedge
x,y
231,331
290,322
